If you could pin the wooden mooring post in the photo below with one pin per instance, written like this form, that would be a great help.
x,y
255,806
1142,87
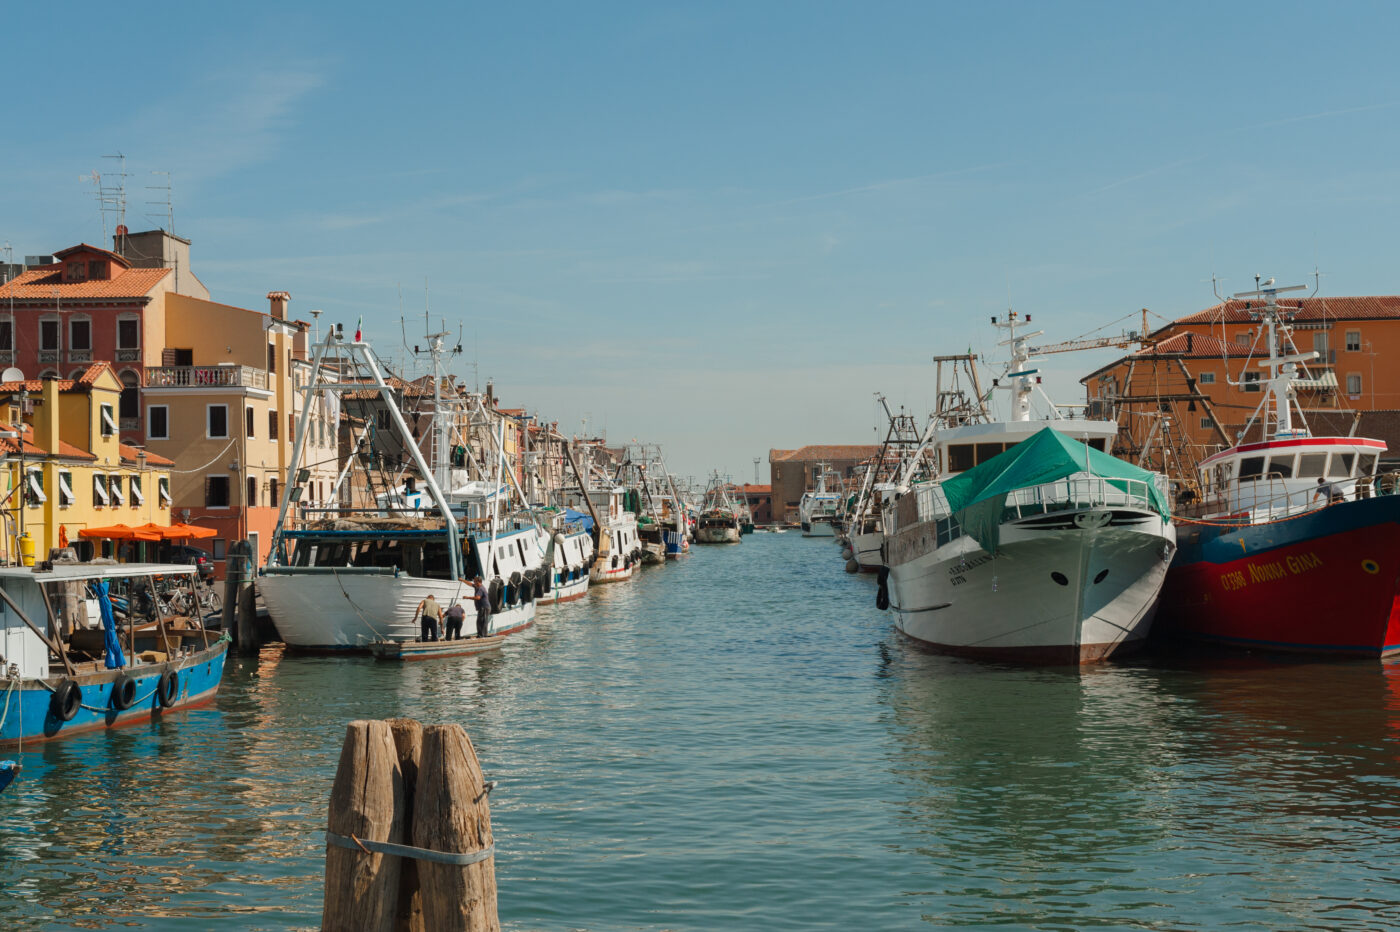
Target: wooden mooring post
x,y
408,840
240,612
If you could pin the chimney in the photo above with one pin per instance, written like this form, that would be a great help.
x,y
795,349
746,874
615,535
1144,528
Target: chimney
x,y
1189,335
278,300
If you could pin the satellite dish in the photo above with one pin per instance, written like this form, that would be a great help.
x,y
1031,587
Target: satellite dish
x,y
11,374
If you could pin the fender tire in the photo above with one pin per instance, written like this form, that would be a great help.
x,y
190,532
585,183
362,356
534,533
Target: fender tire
x,y
123,692
494,594
168,689
66,700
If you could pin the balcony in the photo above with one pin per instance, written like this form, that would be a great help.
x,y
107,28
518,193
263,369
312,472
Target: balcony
x,y
129,355
205,377
80,355
48,355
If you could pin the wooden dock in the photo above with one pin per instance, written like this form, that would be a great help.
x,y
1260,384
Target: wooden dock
x,y
432,650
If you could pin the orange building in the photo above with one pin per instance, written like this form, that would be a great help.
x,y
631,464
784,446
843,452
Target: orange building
x,y
1197,382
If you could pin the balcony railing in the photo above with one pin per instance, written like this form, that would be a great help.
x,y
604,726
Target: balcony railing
x,y
128,355
80,355
205,377
48,355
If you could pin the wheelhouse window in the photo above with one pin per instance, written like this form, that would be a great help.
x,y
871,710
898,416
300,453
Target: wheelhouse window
x,y
986,451
1251,468
1341,465
1366,466
1312,465
1281,467
961,457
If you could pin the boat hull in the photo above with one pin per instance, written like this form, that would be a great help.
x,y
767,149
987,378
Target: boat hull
x,y
334,612
28,709
408,651
717,535
818,529
1079,590
867,549
1323,583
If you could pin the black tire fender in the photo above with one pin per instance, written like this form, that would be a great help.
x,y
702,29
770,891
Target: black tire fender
x,y
168,688
123,692
67,699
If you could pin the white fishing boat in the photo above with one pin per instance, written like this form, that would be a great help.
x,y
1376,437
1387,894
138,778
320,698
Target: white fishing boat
x,y
816,511
356,575
571,555
1032,543
719,522
619,548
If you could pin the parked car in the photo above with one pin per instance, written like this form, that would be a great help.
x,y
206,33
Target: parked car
x,y
202,560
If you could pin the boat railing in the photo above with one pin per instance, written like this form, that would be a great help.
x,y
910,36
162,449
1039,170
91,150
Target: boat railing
x,y
1061,495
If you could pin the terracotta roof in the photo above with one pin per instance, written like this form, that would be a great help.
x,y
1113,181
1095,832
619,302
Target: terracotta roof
x,y
11,445
1378,307
756,489
818,452
88,247
86,380
130,453
1193,345
42,284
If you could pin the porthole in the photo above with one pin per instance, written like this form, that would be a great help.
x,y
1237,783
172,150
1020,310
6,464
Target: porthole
x,y
1100,577
1060,578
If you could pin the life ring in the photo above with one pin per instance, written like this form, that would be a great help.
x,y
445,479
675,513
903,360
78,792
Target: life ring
x,y
123,692
67,699
168,688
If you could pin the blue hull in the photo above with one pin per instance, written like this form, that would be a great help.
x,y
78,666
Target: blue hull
x,y
675,543
29,717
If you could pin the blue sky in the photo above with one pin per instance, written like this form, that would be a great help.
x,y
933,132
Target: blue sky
x,y
724,226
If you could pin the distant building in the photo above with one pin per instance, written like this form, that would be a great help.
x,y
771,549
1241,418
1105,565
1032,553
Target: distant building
x,y
760,500
795,471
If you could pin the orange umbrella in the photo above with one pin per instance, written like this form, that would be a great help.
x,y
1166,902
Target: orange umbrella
x,y
182,531
119,532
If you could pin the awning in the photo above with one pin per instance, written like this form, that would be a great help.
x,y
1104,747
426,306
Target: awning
x,y
99,488
109,426
118,495
118,532
1327,380
35,489
65,490
163,487
136,493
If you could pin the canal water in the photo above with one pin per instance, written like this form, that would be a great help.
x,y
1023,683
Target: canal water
x,y
740,741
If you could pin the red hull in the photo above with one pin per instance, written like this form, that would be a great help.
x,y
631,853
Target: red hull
x,y
1334,593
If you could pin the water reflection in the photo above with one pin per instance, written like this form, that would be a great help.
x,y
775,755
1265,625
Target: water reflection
x,y
1183,791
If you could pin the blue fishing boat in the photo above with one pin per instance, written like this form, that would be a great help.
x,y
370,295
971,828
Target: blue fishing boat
x,y
64,668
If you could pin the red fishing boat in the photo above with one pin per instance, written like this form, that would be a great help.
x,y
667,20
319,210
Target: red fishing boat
x,y
1292,547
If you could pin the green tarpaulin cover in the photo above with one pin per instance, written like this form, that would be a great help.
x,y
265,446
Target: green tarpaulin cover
x,y
977,497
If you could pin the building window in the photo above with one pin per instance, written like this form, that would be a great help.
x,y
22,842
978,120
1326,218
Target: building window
x,y
217,424
114,487
7,335
291,425
158,422
271,357
250,497
1251,381
272,425
1205,423
109,423
79,333
1242,339
248,426
216,491
1206,378
219,548
128,333
1353,383
1353,341
272,492
381,419
48,334
129,405
163,489
100,498
34,488
137,496
65,489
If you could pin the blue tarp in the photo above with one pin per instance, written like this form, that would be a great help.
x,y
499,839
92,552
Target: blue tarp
x,y
115,658
579,517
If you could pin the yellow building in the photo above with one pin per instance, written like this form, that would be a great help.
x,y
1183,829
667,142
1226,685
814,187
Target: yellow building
x,y
65,467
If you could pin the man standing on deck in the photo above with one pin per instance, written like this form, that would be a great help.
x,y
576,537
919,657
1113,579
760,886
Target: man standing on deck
x,y
431,614
483,607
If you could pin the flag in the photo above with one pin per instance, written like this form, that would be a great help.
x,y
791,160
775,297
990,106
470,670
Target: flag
x,y
358,327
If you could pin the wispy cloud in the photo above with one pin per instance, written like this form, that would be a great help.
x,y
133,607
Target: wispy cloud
x,y
887,184
1146,174
1318,116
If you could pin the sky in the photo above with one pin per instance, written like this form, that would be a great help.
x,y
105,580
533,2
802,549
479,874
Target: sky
x,y
722,227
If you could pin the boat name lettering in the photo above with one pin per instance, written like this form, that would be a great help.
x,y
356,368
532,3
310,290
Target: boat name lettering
x,y
966,565
1271,571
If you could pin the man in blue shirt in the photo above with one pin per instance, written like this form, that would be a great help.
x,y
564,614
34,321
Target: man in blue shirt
x,y
483,607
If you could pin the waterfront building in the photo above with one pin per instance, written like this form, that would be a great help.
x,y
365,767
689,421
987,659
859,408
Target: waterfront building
x,y
69,470
793,472
1189,390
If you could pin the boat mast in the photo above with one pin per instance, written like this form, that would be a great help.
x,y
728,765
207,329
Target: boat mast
x,y
1019,372
1279,401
